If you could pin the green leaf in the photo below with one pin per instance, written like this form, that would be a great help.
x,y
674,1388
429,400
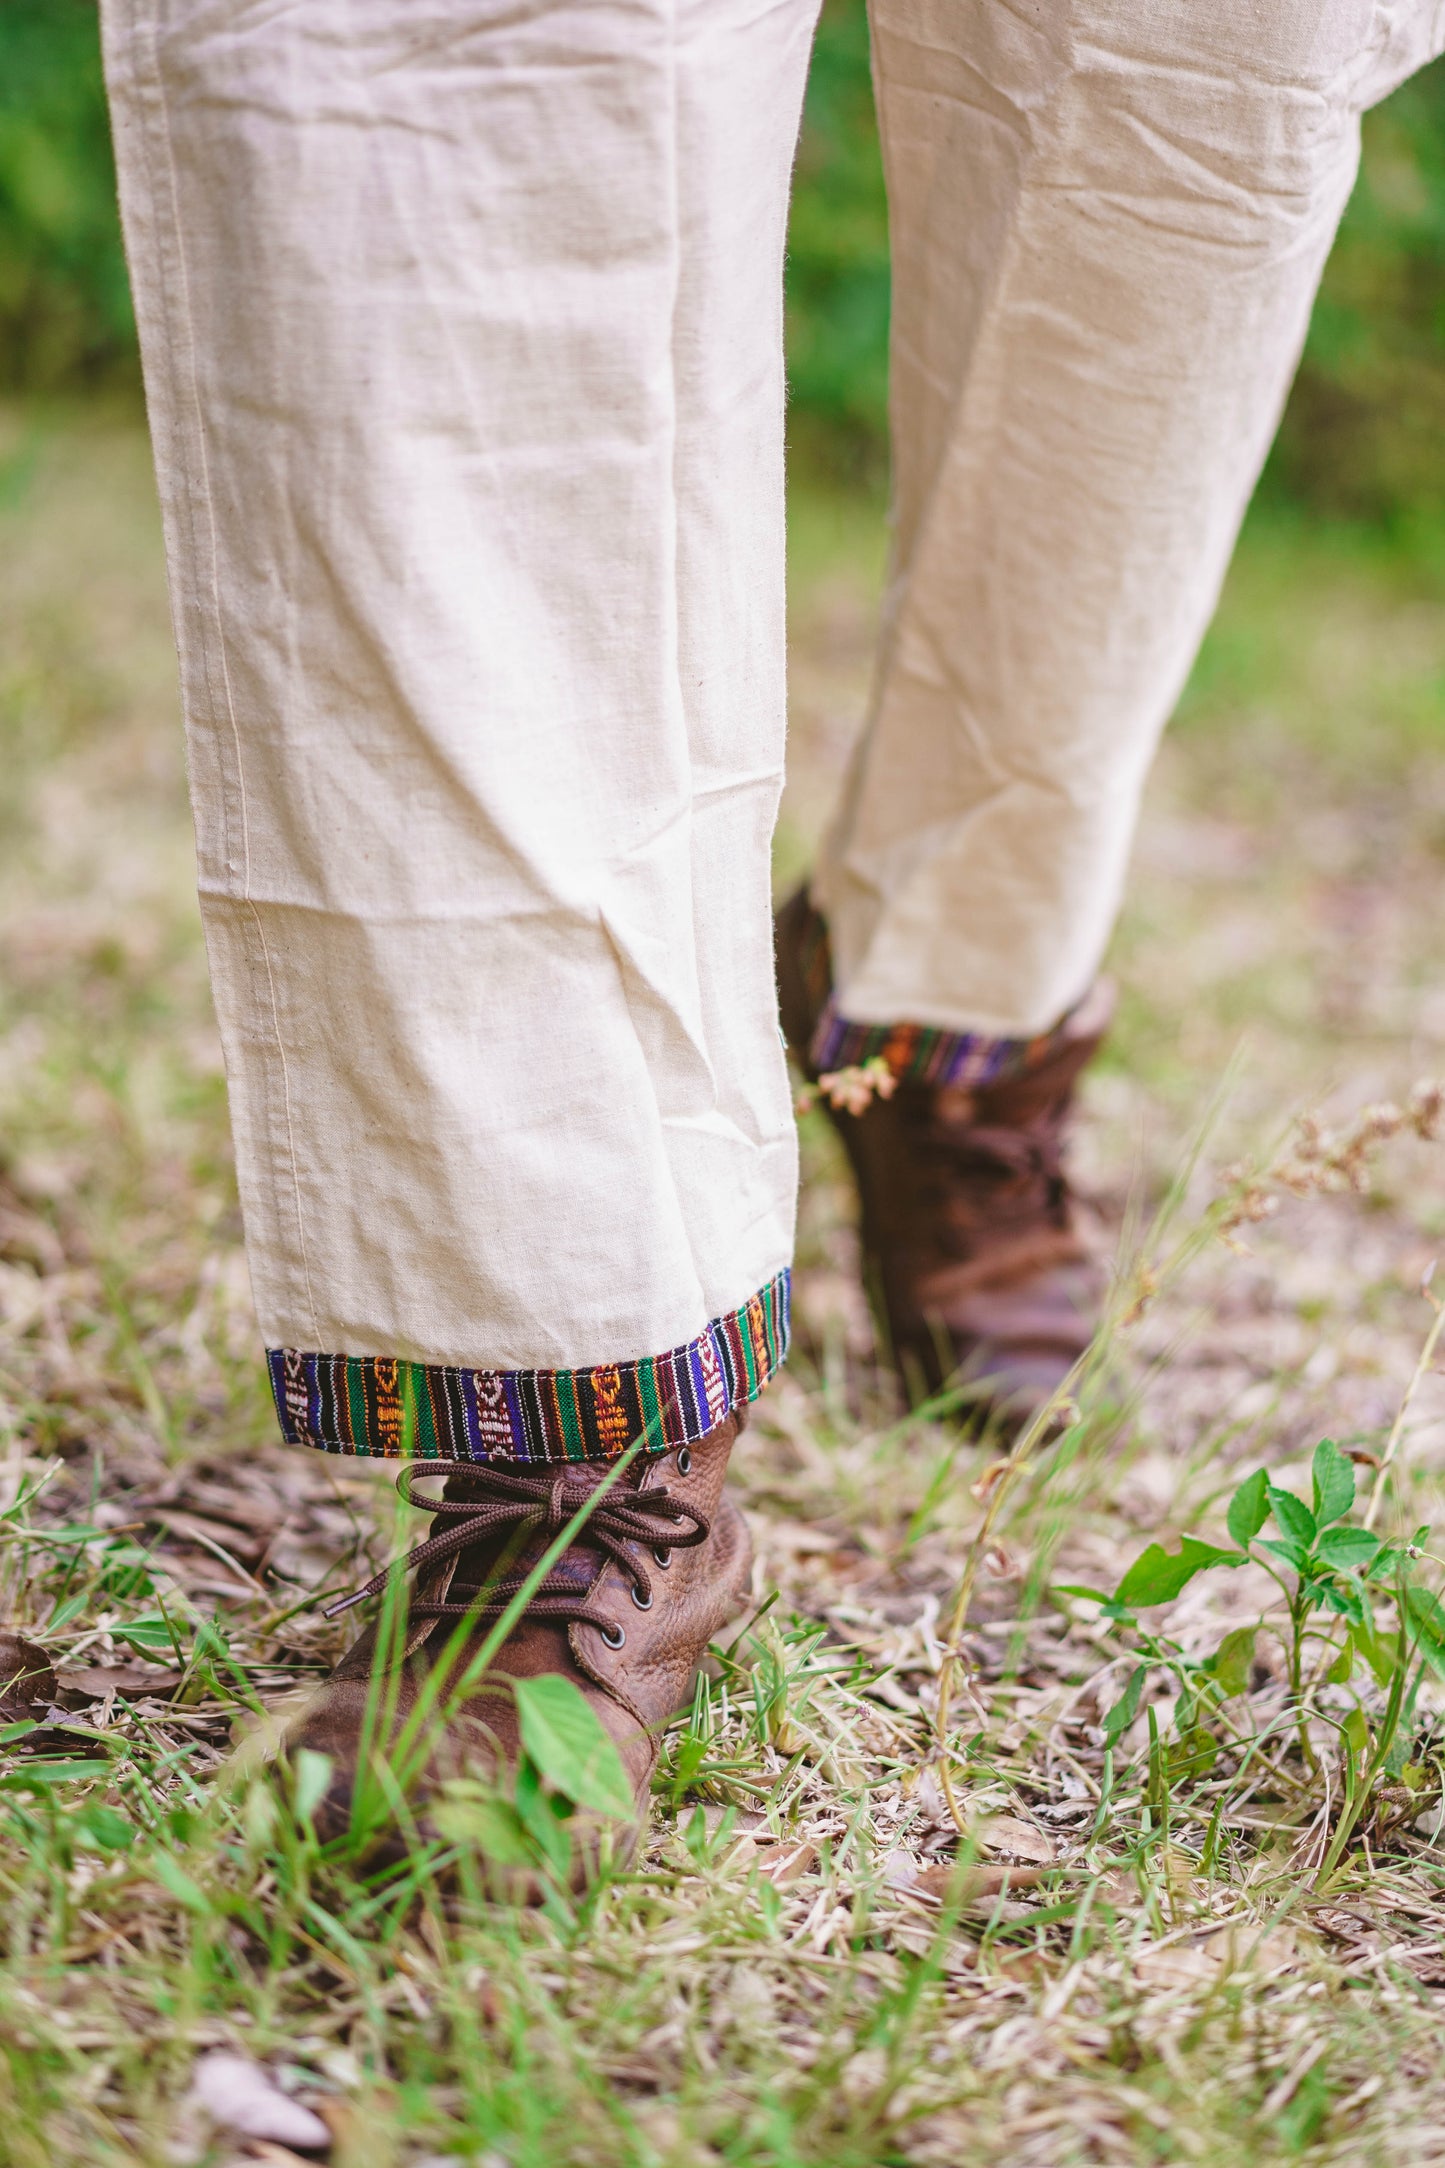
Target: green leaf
x,y
1126,1708
1249,1509
1347,1549
1302,2120
471,1816
1334,1474
688,1757
1193,1755
259,1815
1356,1729
1426,1613
1426,1616
103,1829
1341,1597
1293,1554
53,1772
1233,1661
1378,1652
568,1746
147,1634
73,1532
1293,1516
210,1638
1157,1575
542,1818
313,1775
179,1883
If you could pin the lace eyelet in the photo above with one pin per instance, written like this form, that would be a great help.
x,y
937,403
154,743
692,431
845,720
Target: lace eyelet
x,y
663,1557
614,1636
684,1461
643,1603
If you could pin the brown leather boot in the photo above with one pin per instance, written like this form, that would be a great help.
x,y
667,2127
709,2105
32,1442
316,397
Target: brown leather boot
x,y
626,1613
969,1229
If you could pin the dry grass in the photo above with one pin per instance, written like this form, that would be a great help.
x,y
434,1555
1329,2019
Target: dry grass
x,y
1124,1959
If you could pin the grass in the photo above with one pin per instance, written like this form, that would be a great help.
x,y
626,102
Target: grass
x,y
1138,1948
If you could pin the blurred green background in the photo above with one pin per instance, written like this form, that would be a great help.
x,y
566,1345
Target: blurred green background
x,y
1365,434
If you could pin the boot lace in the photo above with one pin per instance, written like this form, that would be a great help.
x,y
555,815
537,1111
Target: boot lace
x,y
521,1509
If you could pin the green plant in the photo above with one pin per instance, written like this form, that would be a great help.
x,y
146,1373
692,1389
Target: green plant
x,y
1347,1673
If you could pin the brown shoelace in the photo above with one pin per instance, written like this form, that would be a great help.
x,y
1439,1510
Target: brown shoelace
x,y
517,1507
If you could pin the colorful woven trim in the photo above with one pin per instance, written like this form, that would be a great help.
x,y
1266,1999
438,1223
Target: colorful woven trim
x,y
924,1053
369,1405
916,1053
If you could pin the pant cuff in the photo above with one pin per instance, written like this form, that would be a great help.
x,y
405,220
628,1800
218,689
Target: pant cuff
x,y
377,1408
916,1053
925,1053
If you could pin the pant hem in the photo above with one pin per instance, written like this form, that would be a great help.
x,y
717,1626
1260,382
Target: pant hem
x,y
925,1053
377,1408
916,1053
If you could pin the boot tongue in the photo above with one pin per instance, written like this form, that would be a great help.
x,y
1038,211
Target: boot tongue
x,y
511,1552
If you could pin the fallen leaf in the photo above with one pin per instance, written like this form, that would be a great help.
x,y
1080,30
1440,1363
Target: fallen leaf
x,y
978,1882
784,1864
1229,1949
27,1678
244,1546
1183,1965
241,2096
1014,1839
900,1869
92,1682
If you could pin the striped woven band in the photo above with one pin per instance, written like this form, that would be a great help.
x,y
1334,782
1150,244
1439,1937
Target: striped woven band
x,y
924,1053
916,1053
377,1408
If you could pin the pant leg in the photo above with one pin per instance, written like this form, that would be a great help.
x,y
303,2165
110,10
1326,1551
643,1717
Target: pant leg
x,y
1109,219
461,325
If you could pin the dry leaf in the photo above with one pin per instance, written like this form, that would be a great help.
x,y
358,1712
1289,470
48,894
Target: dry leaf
x,y
991,1475
1013,1839
978,1881
92,1682
1186,1964
899,1868
241,2096
27,1680
784,1864
1183,1964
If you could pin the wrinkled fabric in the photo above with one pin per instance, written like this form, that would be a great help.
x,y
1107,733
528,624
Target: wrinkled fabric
x,y
1108,220
461,324
462,331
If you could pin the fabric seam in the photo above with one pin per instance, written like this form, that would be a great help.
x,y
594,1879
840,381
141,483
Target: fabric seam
x,y
183,297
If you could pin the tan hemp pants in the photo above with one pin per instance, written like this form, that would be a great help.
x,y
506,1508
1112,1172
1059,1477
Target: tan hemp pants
x,y
461,326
